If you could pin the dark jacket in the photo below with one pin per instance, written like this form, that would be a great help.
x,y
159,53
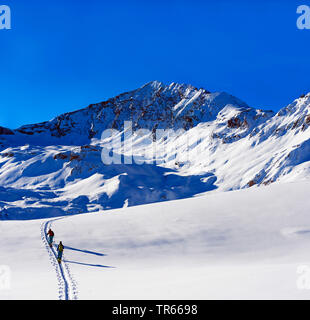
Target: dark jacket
x,y
60,248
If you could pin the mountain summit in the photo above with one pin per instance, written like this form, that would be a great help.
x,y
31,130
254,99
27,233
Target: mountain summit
x,y
152,106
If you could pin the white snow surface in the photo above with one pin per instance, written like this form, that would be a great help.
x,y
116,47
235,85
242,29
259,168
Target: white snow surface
x,y
245,244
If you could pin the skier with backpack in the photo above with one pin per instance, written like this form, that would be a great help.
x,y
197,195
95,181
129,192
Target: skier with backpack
x,y
50,235
60,250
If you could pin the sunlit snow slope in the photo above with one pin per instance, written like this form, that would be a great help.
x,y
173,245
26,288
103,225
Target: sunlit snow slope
x,y
240,244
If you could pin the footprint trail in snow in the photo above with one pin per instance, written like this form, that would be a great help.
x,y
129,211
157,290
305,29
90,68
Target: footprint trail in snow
x,y
66,284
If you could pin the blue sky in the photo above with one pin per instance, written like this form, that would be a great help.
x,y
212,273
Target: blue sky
x,y
64,55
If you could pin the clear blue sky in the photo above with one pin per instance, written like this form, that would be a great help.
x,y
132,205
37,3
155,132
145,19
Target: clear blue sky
x,y
62,55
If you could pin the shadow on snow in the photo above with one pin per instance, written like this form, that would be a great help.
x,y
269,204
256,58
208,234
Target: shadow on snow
x,y
86,251
88,264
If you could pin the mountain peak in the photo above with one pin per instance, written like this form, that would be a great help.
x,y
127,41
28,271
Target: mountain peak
x,y
173,86
154,105
155,84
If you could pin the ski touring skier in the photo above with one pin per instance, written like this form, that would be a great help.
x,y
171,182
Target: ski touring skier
x,y
50,235
60,250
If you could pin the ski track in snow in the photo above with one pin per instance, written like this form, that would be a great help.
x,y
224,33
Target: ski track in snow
x,y
66,284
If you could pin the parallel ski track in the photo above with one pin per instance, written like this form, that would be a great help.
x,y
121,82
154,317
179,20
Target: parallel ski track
x,y
66,284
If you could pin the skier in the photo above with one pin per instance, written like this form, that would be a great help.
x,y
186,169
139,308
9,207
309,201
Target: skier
x,y
60,250
50,235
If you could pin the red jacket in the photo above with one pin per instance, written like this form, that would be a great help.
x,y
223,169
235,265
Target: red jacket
x,y
50,233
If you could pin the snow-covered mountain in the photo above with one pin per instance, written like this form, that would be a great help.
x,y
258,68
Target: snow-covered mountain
x,y
216,142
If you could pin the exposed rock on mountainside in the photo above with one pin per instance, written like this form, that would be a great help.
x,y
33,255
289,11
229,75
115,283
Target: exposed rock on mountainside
x,y
6,131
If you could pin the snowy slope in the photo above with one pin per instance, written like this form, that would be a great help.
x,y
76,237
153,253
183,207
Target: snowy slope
x,y
215,143
243,244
